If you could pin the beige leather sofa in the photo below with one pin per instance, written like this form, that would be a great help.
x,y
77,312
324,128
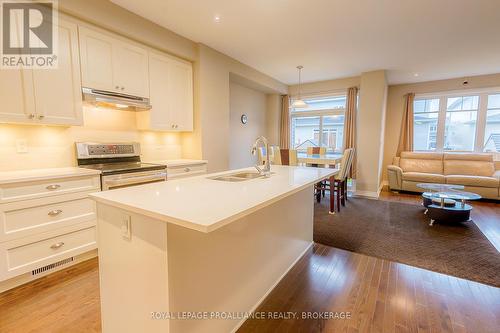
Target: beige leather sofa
x,y
477,172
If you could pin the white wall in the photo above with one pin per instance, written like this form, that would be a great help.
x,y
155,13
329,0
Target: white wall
x,y
370,132
251,102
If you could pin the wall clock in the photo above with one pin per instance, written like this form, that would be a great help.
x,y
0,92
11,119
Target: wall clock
x,y
244,118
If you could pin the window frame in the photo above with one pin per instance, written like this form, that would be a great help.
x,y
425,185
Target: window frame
x,y
318,113
442,113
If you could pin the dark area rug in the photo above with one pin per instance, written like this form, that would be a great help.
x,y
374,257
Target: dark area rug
x,y
400,232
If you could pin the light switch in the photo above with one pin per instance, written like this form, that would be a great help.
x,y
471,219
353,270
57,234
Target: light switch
x,y
22,146
126,223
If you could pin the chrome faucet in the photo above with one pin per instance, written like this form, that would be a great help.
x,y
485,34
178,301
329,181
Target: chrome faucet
x,y
266,170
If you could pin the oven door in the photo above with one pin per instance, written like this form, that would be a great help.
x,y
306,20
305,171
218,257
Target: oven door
x,y
132,178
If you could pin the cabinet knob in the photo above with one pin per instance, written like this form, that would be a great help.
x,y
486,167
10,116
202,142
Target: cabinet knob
x,y
122,88
173,126
54,212
176,126
41,116
187,169
56,245
31,116
53,187
117,87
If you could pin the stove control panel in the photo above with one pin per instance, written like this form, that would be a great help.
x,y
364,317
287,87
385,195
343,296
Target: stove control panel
x,y
110,149
93,150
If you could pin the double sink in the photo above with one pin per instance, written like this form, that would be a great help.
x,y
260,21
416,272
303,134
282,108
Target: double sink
x,y
238,177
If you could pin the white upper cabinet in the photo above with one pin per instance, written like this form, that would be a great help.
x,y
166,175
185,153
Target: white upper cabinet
x,y
96,55
58,96
18,105
171,95
111,64
45,96
180,91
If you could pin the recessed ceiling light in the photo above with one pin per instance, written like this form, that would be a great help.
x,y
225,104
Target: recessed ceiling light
x,y
217,19
416,74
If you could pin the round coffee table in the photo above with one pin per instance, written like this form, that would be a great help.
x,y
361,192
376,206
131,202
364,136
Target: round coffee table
x,y
447,202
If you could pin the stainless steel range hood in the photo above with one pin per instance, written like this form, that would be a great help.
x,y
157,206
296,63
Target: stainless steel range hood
x,y
115,100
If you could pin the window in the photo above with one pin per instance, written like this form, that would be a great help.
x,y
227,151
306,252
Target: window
x,y
425,119
492,129
467,121
460,125
319,125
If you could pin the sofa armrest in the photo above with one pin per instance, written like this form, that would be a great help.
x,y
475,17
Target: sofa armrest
x,y
395,175
395,160
497,174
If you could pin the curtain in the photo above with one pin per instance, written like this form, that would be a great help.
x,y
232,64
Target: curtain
x,y
406,135
285,122
350,125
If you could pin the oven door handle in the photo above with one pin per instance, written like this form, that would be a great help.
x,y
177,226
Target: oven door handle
x,y
139,179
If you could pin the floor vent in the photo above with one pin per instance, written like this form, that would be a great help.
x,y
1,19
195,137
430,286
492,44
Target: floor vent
x,y
51,266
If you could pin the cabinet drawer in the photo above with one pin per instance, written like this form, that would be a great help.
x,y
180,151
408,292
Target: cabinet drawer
x,y
18,259
186,170
28,218
41,188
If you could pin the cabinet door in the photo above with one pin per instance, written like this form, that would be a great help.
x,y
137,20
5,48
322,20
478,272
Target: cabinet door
x,y
58,91
130,69
96,55
159,115
180,95
16,92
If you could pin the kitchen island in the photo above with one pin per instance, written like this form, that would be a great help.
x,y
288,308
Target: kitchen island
x,y
199,254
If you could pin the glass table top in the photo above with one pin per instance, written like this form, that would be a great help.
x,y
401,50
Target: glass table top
x,y
453,194
440,187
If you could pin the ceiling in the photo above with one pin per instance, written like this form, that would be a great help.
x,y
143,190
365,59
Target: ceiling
x,y
414,40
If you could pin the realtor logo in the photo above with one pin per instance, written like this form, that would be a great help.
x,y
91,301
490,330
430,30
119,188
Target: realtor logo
x,y
29,34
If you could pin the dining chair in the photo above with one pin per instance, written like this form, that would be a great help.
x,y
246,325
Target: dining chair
x,y
285,157
339,187
316,151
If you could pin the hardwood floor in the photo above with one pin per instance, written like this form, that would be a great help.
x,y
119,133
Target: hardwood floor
x,y
380,296
66,301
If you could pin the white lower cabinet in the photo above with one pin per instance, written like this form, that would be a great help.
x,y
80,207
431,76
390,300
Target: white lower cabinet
x,y
187,170
24,255
44,221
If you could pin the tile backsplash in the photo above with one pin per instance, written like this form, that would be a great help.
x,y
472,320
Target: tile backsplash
x,y
53,146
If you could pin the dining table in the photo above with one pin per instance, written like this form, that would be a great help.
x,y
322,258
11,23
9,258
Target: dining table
x,y
319,159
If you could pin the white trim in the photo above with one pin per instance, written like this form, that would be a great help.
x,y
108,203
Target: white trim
x,y
252,310
28,277
464,92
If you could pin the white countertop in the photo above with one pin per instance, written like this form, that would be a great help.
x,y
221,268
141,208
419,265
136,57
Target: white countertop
x,y
178,162
7,177
205,204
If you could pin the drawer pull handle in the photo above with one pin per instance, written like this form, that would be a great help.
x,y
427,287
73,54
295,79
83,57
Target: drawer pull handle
x,y
53,187
187,169
56,245
54,212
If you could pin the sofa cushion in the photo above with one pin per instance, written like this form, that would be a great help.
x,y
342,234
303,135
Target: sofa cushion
x,y
423,177
421,165
484,157
470,168
478,181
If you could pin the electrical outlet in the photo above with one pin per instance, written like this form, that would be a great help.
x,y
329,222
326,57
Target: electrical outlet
x,y
22,146
126,224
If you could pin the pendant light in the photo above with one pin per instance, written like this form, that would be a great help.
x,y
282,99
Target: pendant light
x,y
299,103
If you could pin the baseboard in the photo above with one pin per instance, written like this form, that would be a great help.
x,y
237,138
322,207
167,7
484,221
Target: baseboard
x,y
272,287
28,277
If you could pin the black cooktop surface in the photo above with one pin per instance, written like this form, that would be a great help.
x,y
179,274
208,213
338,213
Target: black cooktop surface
x,y
123,167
